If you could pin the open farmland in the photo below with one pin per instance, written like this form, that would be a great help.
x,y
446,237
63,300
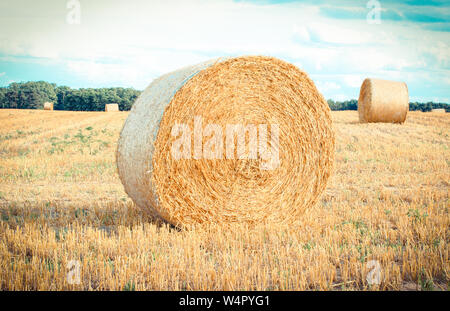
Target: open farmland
x,y
61,200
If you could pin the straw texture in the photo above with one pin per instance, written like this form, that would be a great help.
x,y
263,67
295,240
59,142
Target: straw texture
x,y
48,106
111,107
244,90
383,101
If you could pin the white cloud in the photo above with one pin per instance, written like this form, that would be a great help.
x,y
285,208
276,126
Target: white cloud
x,y
340,97
327,86
354,81
326,33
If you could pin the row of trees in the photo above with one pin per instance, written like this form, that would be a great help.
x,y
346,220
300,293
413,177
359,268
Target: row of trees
x,y
353,105
428,106
33,95
345,105
29,95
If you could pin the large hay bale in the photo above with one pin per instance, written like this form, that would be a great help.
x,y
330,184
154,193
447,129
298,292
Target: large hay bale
x,y
438,110
48,106
199,183
383,101
111,107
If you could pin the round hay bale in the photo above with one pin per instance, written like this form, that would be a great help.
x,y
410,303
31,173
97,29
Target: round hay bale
x,y
383,101
438,110
278,173
111,107
48,106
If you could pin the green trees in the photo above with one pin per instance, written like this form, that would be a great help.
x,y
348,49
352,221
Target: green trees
x,y
95,99
32,95
3,91
345,105
29,95
61,93
428,106
353,105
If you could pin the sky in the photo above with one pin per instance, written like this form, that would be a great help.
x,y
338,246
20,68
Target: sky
x,y
129,43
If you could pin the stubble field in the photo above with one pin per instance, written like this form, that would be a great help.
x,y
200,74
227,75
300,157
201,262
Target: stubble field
x,y
61,200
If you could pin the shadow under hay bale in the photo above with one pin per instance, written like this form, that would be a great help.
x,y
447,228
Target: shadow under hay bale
x,y
383,101
274,184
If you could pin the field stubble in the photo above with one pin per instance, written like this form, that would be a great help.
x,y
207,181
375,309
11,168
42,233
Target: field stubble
x,y
61,200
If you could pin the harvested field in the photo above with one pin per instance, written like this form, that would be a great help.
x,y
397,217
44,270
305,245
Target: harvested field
x,y
61,199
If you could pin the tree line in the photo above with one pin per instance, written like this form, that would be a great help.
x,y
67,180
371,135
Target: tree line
x,y
33,95
413,106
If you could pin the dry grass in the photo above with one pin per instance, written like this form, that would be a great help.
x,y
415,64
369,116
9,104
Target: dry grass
x,y
61,199
440,110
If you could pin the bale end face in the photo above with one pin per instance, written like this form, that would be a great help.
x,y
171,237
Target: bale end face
x,y
48,106
111,107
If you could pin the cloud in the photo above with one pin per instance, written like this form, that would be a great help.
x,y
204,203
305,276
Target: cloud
x,y
344,13
327,86
321,33
354,81
137,71
436,12
340,97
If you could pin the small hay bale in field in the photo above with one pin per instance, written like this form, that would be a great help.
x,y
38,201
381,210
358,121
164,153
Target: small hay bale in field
x,y
48,106
383,101
440,110
281,170
111,107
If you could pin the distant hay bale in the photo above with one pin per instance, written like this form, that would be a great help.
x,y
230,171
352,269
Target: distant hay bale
x,y
48,106
440,110
214,184
111,107
383,101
